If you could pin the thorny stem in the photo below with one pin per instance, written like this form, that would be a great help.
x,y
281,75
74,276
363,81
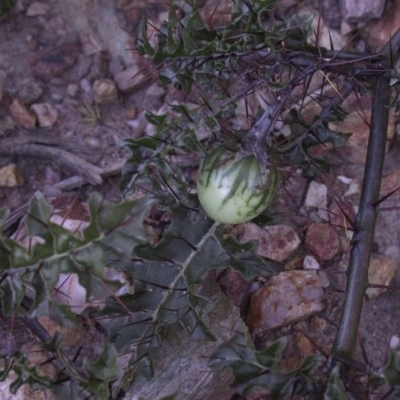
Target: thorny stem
x,y
257,138
357,281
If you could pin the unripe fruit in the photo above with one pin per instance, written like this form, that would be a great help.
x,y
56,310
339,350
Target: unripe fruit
x,y
234,189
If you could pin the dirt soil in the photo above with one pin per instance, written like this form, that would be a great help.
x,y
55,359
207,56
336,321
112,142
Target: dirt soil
x,y
59,52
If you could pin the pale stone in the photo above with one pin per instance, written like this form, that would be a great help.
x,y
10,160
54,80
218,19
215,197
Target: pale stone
x,y
381,272
356,11
104,91
394,342
72,89
344,179
11,176
316,197
130,80
37,8
90,43
310,263
46,113
155,90
354,188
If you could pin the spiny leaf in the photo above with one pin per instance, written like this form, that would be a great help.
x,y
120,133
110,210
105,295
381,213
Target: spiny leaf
x,y
335,389
391,371
103,371
26,374
38,216
252,368
166,277
30,277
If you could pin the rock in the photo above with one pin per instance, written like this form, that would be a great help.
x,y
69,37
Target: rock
x,y
392,252
7,124
292,195
37,8
341,214
131,79
344,179
98,67
56,61
356,11
354,188
46,113
304,345
378,33
330,10
104,91
26,392
337,273
235,286
276,242
183,362
21,115
357,122
72,89
323,241
394,342
390,184
90,43
294,263
346,28
381,272
316,197
317,324
10,176
288,297
327,37
310,263
26,89
82,67
155,90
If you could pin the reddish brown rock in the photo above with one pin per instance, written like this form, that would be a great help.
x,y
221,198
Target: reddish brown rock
x,y
323,241
235,286
289,297
21,115
276,242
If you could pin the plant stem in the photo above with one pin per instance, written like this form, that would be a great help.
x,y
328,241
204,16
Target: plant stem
x,y
357,279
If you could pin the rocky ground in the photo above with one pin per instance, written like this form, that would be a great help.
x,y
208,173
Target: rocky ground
x,y
71,90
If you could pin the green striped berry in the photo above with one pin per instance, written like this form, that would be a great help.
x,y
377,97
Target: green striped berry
x,y
235,189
